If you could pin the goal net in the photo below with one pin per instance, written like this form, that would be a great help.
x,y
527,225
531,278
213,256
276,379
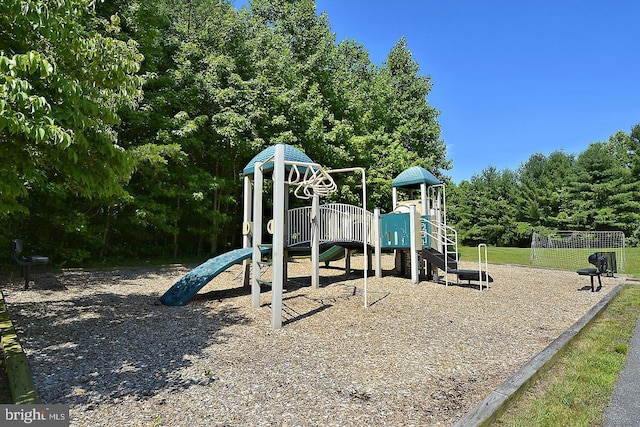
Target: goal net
x,y
570,249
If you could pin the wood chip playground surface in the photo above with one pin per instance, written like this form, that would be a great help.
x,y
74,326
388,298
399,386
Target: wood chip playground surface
x,y
420,355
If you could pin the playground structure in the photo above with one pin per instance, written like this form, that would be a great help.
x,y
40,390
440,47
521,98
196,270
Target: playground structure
x,y
434,246
416,230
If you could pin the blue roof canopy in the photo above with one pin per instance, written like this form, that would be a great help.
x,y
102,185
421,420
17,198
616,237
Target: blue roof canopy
x,y
291,154
413,177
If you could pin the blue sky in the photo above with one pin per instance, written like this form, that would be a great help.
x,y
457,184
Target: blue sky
x,y
510,77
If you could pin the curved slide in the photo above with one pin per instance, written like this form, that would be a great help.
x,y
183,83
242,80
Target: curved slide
x,y
334,253
184,289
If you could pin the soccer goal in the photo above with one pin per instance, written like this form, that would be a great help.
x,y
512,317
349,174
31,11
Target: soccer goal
x,y
569,250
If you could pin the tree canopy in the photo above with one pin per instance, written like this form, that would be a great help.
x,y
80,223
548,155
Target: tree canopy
x,y
63,76
125,126
132,121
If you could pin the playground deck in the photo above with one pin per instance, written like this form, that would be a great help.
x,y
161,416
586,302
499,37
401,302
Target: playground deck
x,y
420,354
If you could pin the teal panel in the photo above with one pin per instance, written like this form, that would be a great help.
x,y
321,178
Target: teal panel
x,y
395,231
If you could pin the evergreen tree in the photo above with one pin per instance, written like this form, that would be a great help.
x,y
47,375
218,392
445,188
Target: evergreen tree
x,y
601,188
486,211
541,183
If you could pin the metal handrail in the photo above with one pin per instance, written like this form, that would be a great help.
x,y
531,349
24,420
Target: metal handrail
x,y
447,239
486,265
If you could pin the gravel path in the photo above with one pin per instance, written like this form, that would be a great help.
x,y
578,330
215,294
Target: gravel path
x,y
420,355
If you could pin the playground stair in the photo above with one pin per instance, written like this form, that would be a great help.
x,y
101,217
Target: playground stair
x,y
475,275
437,258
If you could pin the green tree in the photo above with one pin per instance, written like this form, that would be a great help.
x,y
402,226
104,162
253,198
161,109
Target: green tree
x,y
220,86
405,112
271,73
484,209
188,134
604,193
62,78
592,199
595,190
541,182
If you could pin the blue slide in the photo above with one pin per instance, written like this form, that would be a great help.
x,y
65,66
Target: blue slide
x,y
184,289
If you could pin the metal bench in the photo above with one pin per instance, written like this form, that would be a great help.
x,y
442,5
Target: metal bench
x,y
601,268
25,262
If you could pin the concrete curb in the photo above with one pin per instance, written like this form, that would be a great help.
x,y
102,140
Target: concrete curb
x,y
21,385
498,400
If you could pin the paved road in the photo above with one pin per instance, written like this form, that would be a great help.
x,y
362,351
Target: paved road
x,y
624,409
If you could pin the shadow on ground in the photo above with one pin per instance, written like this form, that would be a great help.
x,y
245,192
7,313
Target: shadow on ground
x,y
79,368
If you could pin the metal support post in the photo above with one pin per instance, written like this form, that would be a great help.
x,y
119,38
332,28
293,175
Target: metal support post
x,y
278,236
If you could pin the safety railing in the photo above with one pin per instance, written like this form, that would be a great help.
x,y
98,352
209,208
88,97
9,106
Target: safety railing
x,y
338,222
445,238
484,279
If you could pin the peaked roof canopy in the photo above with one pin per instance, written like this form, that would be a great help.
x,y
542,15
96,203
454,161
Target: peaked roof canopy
x,y
413,177
291,154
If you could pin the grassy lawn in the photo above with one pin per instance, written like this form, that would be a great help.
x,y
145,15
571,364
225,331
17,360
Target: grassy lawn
x,y
576,389
521,256
497,255
5,394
